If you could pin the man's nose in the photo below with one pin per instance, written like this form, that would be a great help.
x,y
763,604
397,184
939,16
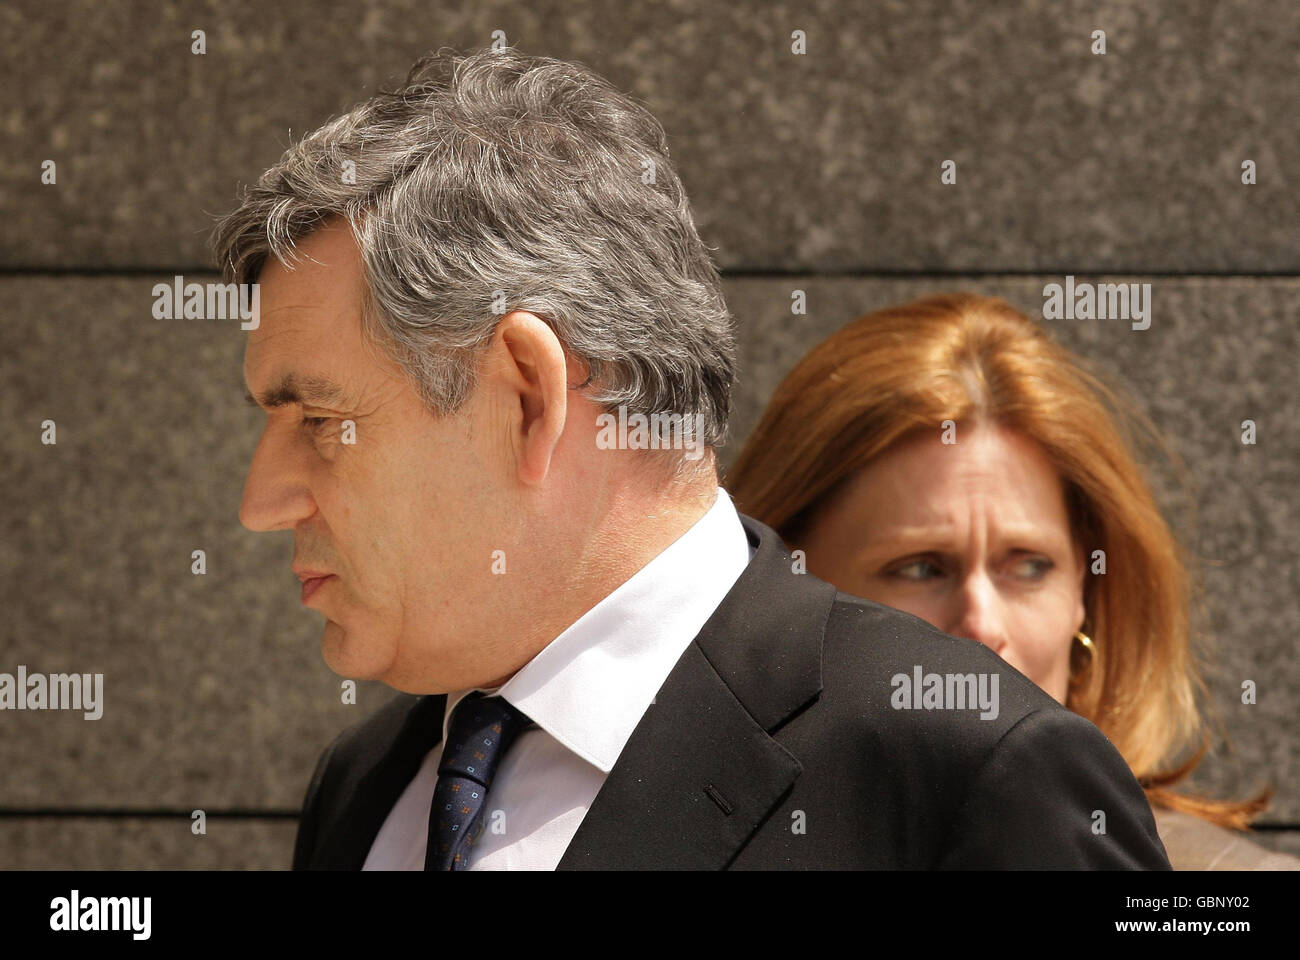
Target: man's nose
x,y
980,613
276,494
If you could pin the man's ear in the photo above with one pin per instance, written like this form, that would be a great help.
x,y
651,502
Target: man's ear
x,y
534,380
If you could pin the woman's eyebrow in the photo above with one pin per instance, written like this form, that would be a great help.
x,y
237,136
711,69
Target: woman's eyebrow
x,y
943,538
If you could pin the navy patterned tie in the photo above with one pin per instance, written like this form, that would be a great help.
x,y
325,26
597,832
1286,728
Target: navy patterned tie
x,y
479,733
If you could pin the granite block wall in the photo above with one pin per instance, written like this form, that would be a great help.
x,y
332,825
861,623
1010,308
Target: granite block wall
x,y
818,171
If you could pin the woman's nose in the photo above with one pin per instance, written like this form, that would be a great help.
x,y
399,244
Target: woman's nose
x,y
980,614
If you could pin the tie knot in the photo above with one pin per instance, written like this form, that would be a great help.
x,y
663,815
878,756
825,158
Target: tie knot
x,y
480,731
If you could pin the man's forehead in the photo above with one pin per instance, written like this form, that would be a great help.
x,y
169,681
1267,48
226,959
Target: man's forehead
x,y
302,323
310,345
289,337
322,286
294,321
317,357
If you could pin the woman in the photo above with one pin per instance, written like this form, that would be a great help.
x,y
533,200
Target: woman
x,y
946,458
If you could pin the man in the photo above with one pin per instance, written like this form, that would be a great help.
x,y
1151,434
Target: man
x,y
496,362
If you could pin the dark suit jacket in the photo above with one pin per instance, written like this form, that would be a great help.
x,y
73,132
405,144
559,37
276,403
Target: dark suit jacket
x,y
773,744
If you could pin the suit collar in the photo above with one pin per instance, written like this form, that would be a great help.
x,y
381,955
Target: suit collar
x,y
701,771
765,639
589,687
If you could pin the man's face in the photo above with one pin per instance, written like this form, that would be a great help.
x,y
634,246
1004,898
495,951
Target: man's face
x,y
394,518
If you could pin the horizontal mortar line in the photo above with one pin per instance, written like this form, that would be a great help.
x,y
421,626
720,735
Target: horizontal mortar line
x,y
1015,274
118,813
8,271
757,273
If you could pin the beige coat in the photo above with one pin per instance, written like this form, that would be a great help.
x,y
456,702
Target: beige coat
x,y
1196,844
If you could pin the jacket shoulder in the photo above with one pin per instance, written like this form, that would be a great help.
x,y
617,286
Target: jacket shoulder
x,y
367,740
916,705
1007,775
353,756
898,668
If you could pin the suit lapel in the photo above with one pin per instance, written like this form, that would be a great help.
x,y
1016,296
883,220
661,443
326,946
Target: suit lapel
x,y
701,772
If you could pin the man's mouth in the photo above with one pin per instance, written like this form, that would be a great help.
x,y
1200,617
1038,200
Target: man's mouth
x,y
312,580
309,587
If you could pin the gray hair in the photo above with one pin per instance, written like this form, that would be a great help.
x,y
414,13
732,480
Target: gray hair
x,y
497,181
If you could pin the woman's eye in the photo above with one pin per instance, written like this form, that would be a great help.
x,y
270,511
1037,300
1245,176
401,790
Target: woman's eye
x,y
1033,568
916,570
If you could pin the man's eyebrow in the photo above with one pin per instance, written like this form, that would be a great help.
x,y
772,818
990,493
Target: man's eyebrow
x,y
316,391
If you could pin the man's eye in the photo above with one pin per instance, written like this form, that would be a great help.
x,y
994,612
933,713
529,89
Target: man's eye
x,y
315,423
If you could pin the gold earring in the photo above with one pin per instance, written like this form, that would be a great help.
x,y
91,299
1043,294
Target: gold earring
x,y
1085,641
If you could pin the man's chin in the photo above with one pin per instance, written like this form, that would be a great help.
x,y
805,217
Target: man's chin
x,y
349,654
357,654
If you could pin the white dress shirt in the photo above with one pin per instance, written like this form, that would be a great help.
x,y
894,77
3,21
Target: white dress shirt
x,y
586,691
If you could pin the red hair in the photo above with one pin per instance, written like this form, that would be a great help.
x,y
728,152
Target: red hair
x,y
890,374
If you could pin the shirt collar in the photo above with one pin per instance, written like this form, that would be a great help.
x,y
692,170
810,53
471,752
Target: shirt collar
x,y
589,687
